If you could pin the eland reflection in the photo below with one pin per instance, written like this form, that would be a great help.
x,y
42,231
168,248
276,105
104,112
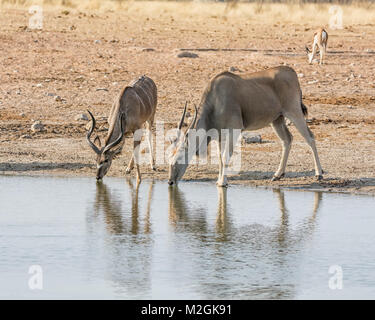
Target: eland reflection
x,y
183,216
305,228
243,243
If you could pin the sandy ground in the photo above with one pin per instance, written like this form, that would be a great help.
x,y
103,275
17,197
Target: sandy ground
x,y
65,59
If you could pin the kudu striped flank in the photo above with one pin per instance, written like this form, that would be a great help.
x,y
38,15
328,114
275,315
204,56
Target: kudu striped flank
x,y
134,107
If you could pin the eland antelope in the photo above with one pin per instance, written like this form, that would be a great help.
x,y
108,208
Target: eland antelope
x,y
320,40
135,106
247,102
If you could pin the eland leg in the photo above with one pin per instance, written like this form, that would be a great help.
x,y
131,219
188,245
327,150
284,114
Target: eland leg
x,y
286,139
299,121
229,139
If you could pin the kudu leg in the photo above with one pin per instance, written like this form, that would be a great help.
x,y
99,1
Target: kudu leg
x,y
149,140
286,139
300,123
130,166
136,159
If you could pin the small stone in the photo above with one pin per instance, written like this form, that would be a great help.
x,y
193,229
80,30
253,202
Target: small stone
x,y
233,69
101,89
25,136
301,75
22,115
37,126
187,54
97,42
248,137
49,94
58,98
148,49
81,117
39,85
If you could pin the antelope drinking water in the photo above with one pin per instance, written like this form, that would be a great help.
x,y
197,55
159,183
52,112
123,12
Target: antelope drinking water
x,y
135,106
247,102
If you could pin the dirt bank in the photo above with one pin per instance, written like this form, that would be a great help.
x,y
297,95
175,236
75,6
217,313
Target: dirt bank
x,y
86,57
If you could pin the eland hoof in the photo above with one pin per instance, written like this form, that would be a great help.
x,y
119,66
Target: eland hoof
x,y
319,177
222,185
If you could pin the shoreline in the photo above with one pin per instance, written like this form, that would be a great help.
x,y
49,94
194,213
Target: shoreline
x,y
351,190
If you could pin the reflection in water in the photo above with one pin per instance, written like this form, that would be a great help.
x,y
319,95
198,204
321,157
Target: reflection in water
x,y
305,228
244,244
185,217
115,240
110,204
111,208
214,254
222,222
129,250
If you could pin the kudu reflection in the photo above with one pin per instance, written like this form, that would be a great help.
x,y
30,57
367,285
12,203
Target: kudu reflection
x,y
114,218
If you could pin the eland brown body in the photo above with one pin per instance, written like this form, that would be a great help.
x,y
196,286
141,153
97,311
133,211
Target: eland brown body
x,y
248,102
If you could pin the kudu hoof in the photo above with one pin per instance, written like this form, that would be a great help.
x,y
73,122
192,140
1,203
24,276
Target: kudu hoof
x,y
127,171
276,178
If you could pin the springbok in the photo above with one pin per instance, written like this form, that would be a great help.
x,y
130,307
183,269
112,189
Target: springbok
x,y
320,40
247,102
135,106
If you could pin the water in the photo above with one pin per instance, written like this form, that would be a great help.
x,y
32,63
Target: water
x,y
112,241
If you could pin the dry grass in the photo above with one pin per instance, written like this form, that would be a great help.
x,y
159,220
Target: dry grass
x,y
318,14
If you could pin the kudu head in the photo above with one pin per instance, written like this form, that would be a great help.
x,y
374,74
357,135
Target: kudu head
x,y
179,157
106,153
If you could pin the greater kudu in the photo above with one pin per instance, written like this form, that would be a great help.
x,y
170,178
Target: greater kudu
x,y
135,106
248,102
